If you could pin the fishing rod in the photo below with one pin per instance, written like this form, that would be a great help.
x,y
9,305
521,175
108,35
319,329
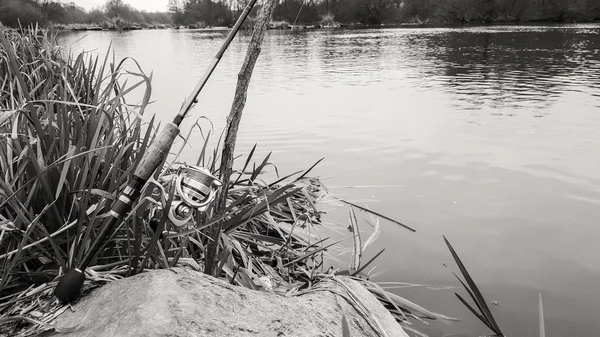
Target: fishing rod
x,y
69,285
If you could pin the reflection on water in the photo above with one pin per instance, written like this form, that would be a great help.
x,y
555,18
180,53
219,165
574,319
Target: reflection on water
x,y
487,135
530,69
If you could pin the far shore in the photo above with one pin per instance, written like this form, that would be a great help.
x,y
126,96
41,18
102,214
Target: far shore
x,y
288,26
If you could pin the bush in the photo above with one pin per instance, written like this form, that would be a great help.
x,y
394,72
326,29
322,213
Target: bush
x,y
15,12
96,16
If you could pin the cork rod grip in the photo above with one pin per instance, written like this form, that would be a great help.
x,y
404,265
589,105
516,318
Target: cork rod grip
x,y
157,151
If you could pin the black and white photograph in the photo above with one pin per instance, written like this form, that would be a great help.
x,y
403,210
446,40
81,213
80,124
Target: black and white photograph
x,y
299,168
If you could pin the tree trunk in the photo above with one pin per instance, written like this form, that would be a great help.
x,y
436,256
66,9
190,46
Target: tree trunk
x,y
233,122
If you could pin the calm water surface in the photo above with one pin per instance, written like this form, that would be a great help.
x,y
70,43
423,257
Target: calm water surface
x,y
490,136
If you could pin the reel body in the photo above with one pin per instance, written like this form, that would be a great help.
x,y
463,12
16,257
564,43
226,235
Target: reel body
x,y
195,189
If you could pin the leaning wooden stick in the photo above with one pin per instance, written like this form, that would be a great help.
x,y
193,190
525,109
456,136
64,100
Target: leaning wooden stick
x,y
233,122
69,286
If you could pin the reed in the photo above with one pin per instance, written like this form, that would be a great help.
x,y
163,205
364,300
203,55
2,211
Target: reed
x,y
68,141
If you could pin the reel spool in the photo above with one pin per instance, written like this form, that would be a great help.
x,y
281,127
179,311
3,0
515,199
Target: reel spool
x,y
195,189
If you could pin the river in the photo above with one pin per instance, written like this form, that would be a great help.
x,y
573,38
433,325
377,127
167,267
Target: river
x,y
488,135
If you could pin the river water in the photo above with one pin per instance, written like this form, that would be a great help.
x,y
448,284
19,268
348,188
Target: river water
x,y
488,135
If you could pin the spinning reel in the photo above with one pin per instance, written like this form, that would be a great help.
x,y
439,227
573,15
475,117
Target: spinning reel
x,y
195,189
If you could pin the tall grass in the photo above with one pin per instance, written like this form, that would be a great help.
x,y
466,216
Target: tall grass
x,y
68,142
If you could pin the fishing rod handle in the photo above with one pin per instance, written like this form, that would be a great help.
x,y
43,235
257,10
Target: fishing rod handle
x,y
152,159
69,286
158,151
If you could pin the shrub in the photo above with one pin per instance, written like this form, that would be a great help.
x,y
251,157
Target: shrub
x,y
15,12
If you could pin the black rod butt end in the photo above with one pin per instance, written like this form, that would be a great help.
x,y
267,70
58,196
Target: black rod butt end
x,y
69,286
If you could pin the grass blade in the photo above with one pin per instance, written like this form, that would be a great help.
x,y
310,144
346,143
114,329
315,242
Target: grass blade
x,y
368,263
478,297
260,167
542,324
377,214
357,248
310,169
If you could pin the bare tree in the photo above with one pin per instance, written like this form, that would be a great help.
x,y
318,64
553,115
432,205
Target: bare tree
x,y
175,6
115,8
44,4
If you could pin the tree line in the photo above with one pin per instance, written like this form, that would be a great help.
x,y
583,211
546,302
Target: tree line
x,y
461,11
44,12
222,12
199,13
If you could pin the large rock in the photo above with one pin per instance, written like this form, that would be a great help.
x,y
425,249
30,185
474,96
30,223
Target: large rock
x,y
183,302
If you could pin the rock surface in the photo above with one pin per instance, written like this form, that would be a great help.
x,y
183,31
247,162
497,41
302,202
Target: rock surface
x,y
183,302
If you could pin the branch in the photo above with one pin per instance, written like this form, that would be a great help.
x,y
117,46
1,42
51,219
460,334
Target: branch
x,y
233,122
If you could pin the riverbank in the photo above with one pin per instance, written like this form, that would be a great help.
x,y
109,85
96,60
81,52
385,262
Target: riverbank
x,y
112,27
107,26
284,25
